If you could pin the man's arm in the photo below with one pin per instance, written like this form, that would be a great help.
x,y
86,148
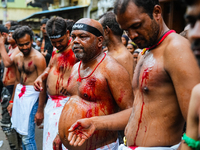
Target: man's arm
x,y
40,65
38,83
181,65
9,108
193,125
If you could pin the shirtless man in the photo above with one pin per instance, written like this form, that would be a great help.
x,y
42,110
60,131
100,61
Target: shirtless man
x,y
162,81
112,39
9,78
193,124
56,74
27,109
96,85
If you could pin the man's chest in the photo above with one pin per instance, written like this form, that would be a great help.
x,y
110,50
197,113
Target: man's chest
x,y
150,73
26,66
92,88
63,60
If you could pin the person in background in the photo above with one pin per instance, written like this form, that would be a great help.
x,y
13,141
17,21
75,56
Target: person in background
x,y
125,39
46,46
131,47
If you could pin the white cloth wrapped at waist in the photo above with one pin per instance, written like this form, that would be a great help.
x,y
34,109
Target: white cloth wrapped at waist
x,y
24,99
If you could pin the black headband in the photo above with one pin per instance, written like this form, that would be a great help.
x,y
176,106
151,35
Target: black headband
x,y
56,36
88,28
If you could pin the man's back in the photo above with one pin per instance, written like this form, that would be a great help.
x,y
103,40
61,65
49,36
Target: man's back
x,y
124,58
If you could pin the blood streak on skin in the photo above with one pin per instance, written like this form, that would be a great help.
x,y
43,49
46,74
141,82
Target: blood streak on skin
x,y
30,63
89,89
57,100
7,75
65,62
23,90
121,96
145,76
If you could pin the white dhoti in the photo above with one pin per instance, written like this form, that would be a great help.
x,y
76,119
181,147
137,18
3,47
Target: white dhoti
x,y
112,146
52,114
24,99
123,147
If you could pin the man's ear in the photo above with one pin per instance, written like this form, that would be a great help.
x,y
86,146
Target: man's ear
x,y
100,41
157,12
68,33
106,30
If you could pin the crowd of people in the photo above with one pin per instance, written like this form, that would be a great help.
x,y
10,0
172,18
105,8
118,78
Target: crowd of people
x,y
124,82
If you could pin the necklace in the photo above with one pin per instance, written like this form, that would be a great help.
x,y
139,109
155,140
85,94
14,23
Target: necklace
x,y
79,76
57,51
159,41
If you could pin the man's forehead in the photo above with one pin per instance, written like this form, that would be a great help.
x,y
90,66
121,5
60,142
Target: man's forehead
x,y
193,10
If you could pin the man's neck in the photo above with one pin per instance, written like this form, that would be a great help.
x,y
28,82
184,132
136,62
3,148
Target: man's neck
x,y
163,29
91,61
114,44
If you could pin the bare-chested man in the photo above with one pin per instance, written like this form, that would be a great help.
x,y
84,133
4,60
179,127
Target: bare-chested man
x,y
112,39
56,74
9,78
192,137
96,85
27,109
162,81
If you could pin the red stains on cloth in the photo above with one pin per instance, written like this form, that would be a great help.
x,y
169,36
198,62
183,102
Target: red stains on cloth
x,y
23,90
57,99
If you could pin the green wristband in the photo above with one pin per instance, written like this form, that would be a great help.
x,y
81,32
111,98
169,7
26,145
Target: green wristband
x,y
191,142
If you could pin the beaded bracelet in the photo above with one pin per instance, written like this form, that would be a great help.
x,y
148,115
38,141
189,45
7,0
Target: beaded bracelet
x,y
191,142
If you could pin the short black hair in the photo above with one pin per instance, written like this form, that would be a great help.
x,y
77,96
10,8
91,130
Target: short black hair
x,y
120,6
44,21
21,32
110,21
56,26
15,27
3,29
70,24
13,23
190,2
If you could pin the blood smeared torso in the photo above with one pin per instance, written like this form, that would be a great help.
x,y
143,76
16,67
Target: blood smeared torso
x,y
156,115
60,68
90,97
27,68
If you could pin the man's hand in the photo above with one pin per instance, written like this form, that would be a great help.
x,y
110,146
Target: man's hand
x,y
9,108
44,53
57,144
39,116
80,131
38,84
63,90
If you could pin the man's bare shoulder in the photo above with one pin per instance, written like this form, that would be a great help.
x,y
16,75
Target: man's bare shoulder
x,y
177,43
111,66
18,55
